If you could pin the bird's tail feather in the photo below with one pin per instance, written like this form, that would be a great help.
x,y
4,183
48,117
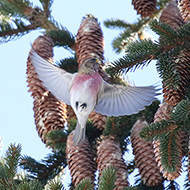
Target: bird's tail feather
x,y
79,134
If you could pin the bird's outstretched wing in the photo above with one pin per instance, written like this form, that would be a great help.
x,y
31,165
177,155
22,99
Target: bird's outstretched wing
x,y
116,100
55,79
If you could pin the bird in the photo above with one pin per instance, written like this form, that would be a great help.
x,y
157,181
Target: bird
x,y
86,91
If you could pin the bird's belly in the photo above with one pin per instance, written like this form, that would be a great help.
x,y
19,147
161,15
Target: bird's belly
x,y
83,96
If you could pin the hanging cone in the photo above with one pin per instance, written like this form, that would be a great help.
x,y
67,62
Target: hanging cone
x,y
144,7
173,96
81,160
163,113
109,153
184,7
184,142
171,15
90,43
70,113
98,120
144,156
89,40
49,112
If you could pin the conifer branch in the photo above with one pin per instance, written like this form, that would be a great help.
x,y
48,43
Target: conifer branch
x,y
19,13
30,185
85,184
46,5
157,130
168,70
169,150
138,54
8,33
8,169
62,38
56,139
142,52
116,23
69,64
181,113
55,184
47,168
162,29
108,178
120,42
12,157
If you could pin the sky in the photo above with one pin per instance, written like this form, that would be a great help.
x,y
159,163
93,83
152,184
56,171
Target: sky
x,y
16,114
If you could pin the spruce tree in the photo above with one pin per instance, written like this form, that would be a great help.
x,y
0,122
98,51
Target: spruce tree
x,y
159,134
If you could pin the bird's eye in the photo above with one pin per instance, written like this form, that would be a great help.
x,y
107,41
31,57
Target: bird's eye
x,y
77,104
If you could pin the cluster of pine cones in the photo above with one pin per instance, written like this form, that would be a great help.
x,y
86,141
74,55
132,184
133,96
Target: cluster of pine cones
x,y
52,114
147,155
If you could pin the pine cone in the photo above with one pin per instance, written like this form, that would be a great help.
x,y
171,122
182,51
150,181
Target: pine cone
x,y
184,7
144,7
81,160
49,112
144,156
171,15
163,113
174,96
89,40
184,142
70,113
109,153
98,120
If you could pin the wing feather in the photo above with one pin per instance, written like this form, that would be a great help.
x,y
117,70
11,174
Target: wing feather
x,y
55,79
115,100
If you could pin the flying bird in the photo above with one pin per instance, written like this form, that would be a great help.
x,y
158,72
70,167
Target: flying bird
x,y
86,91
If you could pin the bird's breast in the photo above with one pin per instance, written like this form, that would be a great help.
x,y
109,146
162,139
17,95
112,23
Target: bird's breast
x,y
86,83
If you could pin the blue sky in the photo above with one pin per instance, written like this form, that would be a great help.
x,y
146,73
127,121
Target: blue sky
x,y
16,114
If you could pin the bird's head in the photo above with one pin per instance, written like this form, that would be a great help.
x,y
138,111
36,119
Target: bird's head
x,y
90,65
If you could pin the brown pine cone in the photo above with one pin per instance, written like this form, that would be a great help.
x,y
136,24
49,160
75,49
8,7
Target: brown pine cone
x,y
144,7
174,96
163,113
70,113
109,153
144,156
171,15
49,112
89,40
81,160
98,120
184,7
184,142
90,43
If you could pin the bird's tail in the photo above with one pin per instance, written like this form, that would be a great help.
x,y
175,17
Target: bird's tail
x,y
79,134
